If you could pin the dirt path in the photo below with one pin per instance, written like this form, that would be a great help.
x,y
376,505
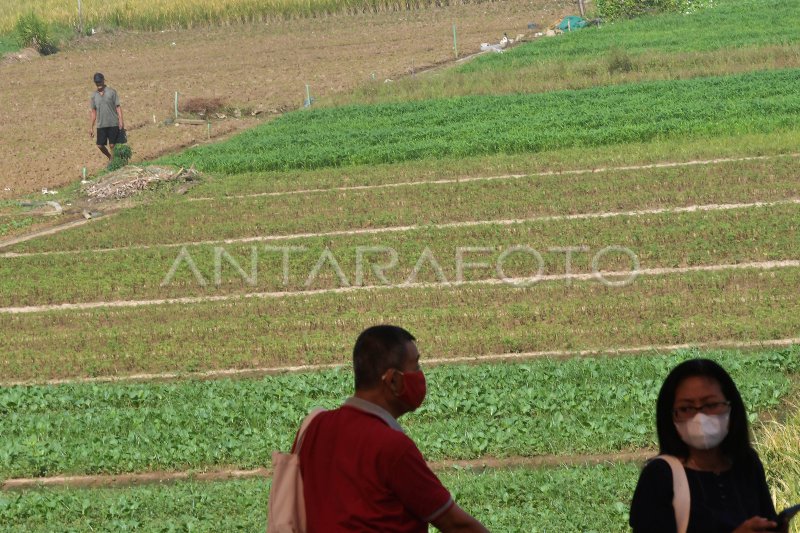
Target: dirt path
x,y
127,480
43,232
264,67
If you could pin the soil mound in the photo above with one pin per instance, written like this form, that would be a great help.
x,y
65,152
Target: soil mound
x,y
23,56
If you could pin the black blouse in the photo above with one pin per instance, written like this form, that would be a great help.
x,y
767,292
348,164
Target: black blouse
x,y
719,502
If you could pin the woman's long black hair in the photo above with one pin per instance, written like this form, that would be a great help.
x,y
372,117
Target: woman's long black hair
x,y
736,444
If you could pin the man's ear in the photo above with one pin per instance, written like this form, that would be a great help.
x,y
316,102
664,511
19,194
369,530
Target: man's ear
x,y
394,380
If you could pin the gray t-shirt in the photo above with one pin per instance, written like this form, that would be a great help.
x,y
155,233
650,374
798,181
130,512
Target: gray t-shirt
x,y
106,106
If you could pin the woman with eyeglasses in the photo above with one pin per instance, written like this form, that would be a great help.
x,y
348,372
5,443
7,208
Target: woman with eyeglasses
x,y
701,421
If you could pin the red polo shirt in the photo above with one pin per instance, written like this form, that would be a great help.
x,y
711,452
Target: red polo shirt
x,y
362,473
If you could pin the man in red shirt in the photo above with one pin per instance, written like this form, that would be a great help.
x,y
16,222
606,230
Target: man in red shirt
x,y
360,470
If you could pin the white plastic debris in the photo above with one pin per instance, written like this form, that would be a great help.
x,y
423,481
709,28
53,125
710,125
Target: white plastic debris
x,y
57,209
486,47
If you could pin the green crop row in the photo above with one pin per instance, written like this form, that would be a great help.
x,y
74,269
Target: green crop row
x,y
540,407
475,125
584,498
471,253
567,159
591,498
566,498
746,305
533,196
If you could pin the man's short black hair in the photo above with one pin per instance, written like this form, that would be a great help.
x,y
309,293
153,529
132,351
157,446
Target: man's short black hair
x,y
378,349
736,445
99,78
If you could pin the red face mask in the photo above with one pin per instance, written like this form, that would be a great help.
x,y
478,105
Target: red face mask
x,y
415,388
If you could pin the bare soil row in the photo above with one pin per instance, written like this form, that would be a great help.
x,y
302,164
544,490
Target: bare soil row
x,y
222,474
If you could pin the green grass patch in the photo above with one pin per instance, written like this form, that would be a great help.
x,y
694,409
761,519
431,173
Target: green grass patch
x,y
730,24
615,67
177,221
480,125
8,43
659,240
590,405
747,305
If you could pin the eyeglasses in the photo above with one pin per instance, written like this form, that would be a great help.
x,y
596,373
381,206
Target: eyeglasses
x,y
685,412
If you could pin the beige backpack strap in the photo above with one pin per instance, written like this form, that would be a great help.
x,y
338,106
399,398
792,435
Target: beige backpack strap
x,y
286,505
681,499
302,431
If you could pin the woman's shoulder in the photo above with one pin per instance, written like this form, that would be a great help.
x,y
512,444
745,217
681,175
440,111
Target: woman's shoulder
x,y
657,467
656,473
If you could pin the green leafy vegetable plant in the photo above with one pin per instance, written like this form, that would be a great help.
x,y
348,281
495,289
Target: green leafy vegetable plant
x,y
121,157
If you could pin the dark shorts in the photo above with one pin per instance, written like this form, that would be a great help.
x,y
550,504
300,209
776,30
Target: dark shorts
x,y
107,135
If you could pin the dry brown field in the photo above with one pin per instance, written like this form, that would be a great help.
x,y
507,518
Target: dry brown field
x,y
45,101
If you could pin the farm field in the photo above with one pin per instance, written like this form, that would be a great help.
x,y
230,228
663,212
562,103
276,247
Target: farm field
x,y
85,428
478,125
473,321
666,240
555,250
330,54
376,208
732,38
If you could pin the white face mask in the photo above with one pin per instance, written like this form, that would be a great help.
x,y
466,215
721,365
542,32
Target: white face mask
x,y
704,432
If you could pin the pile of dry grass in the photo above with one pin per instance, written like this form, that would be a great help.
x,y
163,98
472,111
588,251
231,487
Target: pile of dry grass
x,y
130,180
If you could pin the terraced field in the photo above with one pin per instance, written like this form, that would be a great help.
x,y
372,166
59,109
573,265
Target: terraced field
x,y
553,276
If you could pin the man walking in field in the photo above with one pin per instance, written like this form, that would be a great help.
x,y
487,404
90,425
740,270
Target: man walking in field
x,y
360,471
106,112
